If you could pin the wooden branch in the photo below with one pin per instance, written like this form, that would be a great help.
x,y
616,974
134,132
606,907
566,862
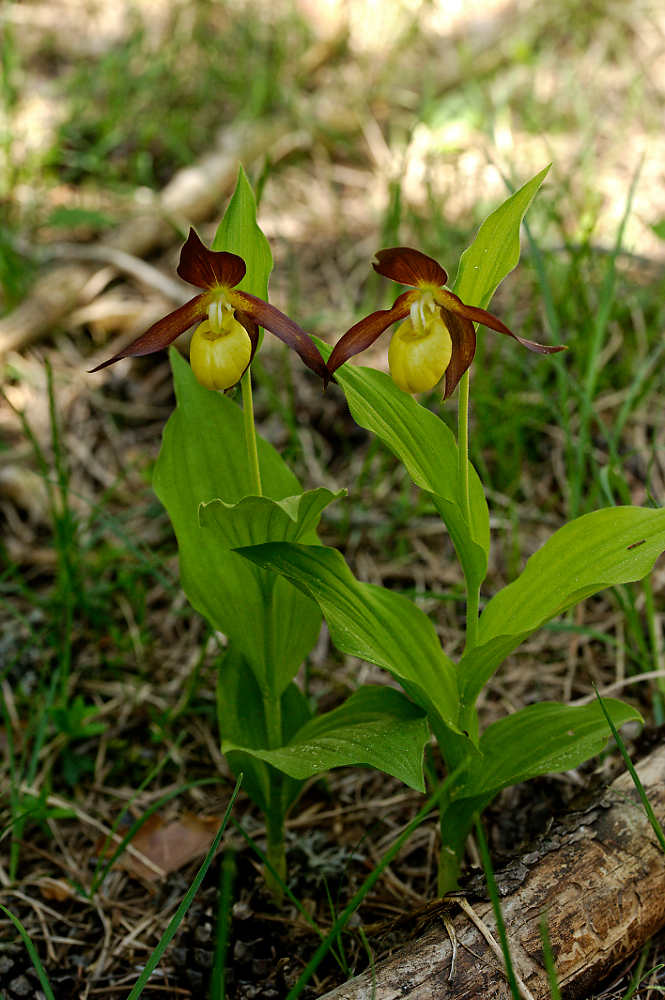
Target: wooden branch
x,y
598,875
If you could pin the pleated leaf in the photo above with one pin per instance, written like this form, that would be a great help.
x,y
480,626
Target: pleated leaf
x,y
370,622
203,458
541,739
376,726
602,549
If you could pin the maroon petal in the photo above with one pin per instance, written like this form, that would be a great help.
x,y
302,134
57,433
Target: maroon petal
x,y
452,303
363,334
284,328
163,332
409,267
209,268
463,336
252,330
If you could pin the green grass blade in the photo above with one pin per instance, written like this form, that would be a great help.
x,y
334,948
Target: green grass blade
x,y
288,893
177,918
217,989
655,825
636,978
32,952
590,379
548,958
496,906
432,803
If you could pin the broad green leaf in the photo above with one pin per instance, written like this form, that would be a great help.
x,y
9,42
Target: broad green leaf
x,y
203,458
238,232
259,611
370,622
241,720
204,442
602,549
428,450
254,520
496,248
376,726
540,739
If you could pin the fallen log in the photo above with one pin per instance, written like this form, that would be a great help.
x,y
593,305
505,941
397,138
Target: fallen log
x,y
598,876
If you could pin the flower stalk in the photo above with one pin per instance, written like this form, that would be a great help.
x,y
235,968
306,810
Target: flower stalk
x,y
250,432
472,592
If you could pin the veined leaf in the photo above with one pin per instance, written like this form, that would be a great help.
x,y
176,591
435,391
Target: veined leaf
x,y
602,549
260,611
239,233
496,248
428,450
540,739
370,622
254,520
376,726
203,458
241,717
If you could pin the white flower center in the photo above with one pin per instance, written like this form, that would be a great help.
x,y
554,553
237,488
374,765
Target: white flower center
x,y
220,315
421,312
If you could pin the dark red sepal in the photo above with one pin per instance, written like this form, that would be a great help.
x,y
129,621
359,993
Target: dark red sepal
x,y
363,333
252,330
409,267
284,328
454,304
463,337
209,268
163,332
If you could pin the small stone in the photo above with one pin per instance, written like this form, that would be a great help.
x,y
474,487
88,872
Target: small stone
x,y
203,933
261,967
21,987
179,957
240,951
197,982
6,964
203,958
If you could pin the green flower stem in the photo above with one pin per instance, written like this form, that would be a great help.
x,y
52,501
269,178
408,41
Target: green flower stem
x,y
463,442
472,593
275,843
275,835
272,706
250,431
273,712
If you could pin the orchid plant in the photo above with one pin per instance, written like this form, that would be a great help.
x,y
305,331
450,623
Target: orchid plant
x,y
224,487
251,562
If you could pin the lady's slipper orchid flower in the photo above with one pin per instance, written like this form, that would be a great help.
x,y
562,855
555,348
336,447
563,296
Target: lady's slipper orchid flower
x,y
224,343
437,336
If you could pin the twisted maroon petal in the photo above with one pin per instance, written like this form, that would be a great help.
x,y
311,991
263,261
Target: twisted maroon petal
x,y
252,330
284,328
163,332
452,303
463,336
363,334
209,268
409,267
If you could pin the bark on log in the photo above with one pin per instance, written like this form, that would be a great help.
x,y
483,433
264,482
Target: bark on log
x,y
599,875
